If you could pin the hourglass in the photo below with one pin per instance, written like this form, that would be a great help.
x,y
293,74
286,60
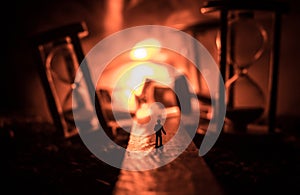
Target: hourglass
x,y
58,54
245,99
241,43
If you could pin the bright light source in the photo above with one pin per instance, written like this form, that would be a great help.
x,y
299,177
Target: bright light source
x,y
131,81
143,112
140,53
145,49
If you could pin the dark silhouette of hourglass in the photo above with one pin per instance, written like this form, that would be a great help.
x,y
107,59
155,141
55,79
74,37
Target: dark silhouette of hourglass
x,y
246,42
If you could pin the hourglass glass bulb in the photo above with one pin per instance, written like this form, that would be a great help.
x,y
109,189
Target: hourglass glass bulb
x,y
246,42
245,100
246,39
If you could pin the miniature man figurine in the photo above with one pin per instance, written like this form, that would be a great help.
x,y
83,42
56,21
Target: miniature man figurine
x,y
158,129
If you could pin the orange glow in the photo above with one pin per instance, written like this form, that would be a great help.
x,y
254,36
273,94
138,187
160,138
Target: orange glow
x,y
126,75
145,50
140,53
143,114
132,82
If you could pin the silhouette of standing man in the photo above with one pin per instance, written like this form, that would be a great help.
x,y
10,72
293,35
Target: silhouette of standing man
x,y
158,129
